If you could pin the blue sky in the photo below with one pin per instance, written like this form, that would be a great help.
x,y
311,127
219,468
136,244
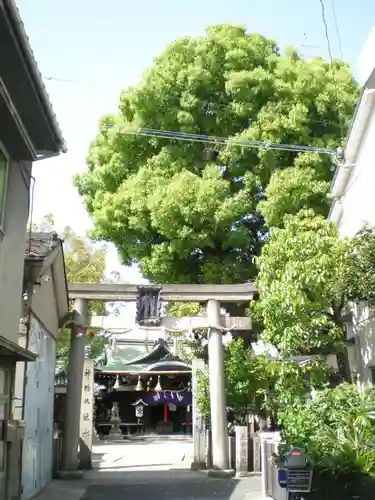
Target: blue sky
x,y
103,47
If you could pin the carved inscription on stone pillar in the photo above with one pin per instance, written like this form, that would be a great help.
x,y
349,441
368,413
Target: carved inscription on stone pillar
x,y
199,434
242,450
87,405
256,448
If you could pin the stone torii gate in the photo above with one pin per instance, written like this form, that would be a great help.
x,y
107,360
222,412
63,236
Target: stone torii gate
x,y
211,295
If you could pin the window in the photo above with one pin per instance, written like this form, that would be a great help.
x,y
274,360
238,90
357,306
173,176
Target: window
x,y
3,183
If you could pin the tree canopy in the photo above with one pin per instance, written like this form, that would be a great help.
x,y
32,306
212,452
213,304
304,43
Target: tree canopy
x,y
307,276
259,385
189,211
84,263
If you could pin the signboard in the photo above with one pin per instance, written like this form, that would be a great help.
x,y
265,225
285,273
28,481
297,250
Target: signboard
x,y
87,407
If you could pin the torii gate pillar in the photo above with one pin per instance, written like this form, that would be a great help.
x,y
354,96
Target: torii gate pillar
x,y
74,388
219,423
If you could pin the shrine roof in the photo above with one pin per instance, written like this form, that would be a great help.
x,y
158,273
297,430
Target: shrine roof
x,y
137,359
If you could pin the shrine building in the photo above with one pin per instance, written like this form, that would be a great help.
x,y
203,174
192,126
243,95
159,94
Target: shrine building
x,y
147,382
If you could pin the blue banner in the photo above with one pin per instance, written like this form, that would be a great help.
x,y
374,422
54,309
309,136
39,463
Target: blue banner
x,y
177,398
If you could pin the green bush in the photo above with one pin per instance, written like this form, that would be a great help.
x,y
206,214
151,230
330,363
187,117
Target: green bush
x,y
337,428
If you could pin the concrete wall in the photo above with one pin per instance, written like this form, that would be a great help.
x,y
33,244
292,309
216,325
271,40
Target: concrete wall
x,y
12,250
39,396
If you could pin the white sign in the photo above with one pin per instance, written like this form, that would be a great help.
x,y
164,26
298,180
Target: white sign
x,y
87,403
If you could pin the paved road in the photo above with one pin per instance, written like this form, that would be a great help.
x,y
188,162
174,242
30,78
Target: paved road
x,y
143,455
159,470
183,486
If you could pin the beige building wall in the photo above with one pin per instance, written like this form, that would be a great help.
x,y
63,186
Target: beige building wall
x,y
12,250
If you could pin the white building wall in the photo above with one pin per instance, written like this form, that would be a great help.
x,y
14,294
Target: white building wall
x,y
358,202
39,404
357,207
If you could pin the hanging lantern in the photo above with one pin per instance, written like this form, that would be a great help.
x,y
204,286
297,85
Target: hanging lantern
x,y
158,386
117,383
149,382
139,385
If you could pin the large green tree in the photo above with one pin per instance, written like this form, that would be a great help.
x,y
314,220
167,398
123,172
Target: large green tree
x,y
189,211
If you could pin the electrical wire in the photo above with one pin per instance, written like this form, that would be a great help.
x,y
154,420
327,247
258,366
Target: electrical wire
x,y
331,57
206,139
56,79
326,29
176,96
337,28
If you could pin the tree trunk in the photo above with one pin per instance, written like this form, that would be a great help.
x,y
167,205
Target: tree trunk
x,y
343,366
342,357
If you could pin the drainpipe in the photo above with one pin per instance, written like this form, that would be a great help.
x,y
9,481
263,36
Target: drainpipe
x,y
29,292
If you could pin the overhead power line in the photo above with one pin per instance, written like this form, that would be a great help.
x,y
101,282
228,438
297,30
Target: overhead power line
x,y
337,28
215,140
177,96
341,118
326,29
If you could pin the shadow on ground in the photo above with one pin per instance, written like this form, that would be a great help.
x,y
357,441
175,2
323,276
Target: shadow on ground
x,y
172,484
133,470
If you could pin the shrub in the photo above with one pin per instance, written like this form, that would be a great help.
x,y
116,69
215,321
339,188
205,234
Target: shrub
x,y
337,429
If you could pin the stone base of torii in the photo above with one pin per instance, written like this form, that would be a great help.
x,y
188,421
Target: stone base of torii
x,y
213,321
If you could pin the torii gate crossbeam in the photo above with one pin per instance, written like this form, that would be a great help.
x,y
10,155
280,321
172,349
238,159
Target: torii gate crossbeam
x,y
169,293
